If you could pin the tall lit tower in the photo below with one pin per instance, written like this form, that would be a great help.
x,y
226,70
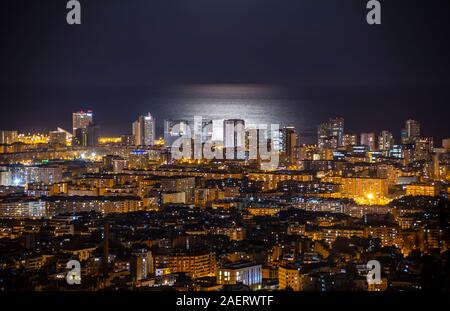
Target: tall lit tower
x,y
368,139
385,141
337,132
144,130
234,138
82,119
289,148
412,130
323,134
331,134
85,132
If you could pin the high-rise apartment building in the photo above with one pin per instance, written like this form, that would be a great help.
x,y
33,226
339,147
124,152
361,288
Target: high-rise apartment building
x,y
385,141
142,265
144,130
350,140
86,137
368,139
234,138
411,132
423,147
85,132
331,133
82,119
289,145
337,131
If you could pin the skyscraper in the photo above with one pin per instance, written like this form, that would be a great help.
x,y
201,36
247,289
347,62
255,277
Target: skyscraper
x,y
404,136
350,140
234,138
82,119
323,135
412,129
86,137
337,131
368,139
385,141
423,147
289,145
144,130
331,134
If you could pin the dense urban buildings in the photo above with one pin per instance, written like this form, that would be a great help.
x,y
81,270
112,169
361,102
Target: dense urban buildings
x,y
135,217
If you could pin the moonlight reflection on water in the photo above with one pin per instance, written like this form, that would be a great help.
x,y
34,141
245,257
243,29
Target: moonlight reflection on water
x,y
255,104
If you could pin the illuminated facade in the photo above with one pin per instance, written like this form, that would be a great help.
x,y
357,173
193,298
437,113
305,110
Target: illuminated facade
x,y
361,187
290,278
195,265
422,190
248,274
8,137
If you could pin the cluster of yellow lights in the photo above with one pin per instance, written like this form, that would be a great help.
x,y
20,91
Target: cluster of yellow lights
x,y
159,142
109,140
26,162
192,161
91,156
32,139
372,199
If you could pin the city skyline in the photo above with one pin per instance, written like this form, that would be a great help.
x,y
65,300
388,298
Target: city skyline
x,y
307,60
242,149
159,129
269,109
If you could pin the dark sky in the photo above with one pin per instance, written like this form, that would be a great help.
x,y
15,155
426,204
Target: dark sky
x,y
127,55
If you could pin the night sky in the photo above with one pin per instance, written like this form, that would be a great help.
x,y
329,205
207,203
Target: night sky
x,y
127,57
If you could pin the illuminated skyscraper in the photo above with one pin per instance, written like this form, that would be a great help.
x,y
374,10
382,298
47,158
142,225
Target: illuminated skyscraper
x,y
404,136
331,133
86,137
412,130
337,131
350,140
323,131
234,138
82,119
289,145
385,141
423,147
144,130
368,139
